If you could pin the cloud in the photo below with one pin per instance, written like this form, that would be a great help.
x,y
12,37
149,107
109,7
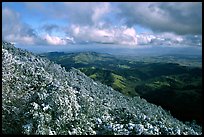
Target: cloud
x,y
191,40
85,13
115,35
100,11
20,39
15,31
124,35
178,17
107,23
169,39
54,40
81,13
49,28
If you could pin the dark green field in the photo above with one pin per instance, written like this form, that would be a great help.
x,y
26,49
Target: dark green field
x,y
173,82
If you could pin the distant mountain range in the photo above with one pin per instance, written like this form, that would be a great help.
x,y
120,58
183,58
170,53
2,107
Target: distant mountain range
x,y
41,97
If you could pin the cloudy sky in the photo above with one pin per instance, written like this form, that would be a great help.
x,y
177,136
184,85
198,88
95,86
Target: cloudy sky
x,y
131,25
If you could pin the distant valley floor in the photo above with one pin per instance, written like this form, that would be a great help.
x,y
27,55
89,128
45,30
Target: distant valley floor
x,y
172,81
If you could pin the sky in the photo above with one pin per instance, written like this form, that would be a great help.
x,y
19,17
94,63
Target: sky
x,y
91,25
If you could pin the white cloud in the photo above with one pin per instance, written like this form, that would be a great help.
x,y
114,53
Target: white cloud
x,y
169,39
86,22
145,38
55,40
15,31
20,39
178,17
81,13
171,36
100,11
86,13
119,35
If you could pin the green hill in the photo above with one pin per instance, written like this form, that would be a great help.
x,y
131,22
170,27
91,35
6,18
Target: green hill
x,y
151,79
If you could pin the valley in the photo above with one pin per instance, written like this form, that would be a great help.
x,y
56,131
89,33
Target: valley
x,y
40,97
171,81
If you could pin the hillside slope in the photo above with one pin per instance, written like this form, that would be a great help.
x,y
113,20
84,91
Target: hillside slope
x,y
161,80
40,97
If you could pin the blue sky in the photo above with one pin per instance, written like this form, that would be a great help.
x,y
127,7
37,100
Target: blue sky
x,y
130,25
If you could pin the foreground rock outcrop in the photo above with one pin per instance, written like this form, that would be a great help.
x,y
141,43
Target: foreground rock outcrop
x,y
40,97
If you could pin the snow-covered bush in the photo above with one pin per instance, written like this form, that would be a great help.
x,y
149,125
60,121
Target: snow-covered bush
x,y
40,97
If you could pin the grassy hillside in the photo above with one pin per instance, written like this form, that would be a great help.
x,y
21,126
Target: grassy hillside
x,y
176,87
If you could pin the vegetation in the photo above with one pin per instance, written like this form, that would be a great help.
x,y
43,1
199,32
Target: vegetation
x,y
161,80
40,97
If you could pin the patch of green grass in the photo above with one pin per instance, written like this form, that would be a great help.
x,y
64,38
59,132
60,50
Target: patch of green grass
x,y
118,82
158,85
124,66
93,76
160,80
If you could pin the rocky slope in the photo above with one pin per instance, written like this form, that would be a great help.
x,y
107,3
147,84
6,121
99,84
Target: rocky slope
x,y
40,97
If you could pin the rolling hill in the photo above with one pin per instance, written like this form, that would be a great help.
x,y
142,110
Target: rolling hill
x,y
171,81
40,97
